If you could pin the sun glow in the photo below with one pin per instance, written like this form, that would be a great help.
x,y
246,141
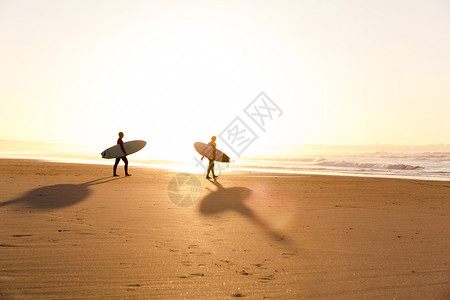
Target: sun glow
x,y
172,74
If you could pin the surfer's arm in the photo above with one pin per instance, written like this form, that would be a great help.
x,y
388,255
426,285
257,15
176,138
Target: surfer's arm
x,y
123,149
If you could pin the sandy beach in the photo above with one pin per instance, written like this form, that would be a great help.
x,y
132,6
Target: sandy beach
x,y
74,231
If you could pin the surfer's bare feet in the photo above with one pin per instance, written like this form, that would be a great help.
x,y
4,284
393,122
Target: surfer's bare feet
x,y
215,177
115,175
207,177
127,174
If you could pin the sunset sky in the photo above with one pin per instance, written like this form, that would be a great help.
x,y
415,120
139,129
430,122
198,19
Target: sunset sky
x,y
176,72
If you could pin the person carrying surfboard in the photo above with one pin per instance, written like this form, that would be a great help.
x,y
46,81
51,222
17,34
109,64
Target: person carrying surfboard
x,y
211,160
124,158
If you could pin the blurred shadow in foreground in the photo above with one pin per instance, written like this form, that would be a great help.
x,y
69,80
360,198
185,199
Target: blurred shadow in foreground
x,y
233,199
58,195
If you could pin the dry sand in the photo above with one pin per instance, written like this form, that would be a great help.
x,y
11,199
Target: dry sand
x,y
73,231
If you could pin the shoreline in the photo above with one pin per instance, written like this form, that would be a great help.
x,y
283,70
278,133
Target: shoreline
x,y
185,167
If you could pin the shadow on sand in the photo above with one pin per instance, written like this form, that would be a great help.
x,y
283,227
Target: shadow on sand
x,y
58,195
233,198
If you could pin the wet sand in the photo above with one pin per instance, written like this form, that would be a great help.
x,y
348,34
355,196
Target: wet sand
x,y
74,231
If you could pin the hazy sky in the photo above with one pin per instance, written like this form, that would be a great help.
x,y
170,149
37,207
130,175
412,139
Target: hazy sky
x,y
175,72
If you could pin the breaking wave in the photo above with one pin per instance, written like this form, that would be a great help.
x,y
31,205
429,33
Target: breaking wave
x,y
357,165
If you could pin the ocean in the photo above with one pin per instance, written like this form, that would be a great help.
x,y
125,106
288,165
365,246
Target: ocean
x,y
420,165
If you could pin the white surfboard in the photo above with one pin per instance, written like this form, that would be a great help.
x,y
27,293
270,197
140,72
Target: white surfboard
x,y
130,147
206,150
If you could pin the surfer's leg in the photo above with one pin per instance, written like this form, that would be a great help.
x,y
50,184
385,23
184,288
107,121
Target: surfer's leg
x,y
115,166
125,160
214,175
210,166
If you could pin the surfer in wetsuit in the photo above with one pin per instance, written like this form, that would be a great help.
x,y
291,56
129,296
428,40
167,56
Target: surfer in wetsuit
x,y
211,161
124,158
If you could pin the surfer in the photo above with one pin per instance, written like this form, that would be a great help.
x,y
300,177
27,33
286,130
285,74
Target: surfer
x,y
124,158
211,161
